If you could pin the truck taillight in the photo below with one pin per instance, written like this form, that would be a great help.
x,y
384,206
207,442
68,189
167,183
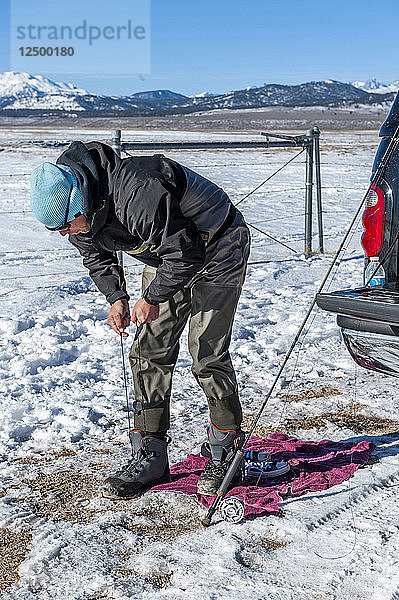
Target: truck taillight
x,y
373,222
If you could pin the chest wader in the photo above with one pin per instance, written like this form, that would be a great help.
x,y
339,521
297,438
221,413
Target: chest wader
x,y
209,304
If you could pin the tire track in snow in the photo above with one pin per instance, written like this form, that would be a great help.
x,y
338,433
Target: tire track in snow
x,y
380,486
372,561
372,567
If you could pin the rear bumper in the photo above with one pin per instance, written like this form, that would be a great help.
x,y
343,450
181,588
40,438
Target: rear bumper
x,y
369,321
374,351
379,303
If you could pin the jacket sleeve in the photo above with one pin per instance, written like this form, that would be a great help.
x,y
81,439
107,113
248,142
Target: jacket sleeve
x,y
154,215
103,267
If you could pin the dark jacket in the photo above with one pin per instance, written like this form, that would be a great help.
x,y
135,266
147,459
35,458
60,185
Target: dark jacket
x,y
133,204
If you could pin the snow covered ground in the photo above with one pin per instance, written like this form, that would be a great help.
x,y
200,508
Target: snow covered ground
x,y
63,425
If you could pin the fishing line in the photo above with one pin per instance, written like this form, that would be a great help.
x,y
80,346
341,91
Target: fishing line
x,y
345,248
295,367
140,376
138,406
303,337
126,391
354,528
383,259
284,218
300,348
382,262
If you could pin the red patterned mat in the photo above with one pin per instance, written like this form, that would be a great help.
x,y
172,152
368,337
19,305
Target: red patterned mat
x,y
315,466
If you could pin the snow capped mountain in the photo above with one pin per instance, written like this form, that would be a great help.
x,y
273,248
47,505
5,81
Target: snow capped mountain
x,y
203,95
23,84
306,94
376,87
22,93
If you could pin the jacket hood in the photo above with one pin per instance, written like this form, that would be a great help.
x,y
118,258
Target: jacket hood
x,y
95,166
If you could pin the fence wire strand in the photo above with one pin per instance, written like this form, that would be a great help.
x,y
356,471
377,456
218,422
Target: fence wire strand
x,y
270,177
253,225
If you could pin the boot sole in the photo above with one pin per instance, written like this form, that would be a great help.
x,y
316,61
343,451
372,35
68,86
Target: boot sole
x,y
108,493
206,493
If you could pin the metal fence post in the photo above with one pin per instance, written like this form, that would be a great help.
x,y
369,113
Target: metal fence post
x,y
308,192
316,140
117,146
116,141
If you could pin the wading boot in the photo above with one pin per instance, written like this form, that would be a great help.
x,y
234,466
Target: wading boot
x,y
220,448
149,466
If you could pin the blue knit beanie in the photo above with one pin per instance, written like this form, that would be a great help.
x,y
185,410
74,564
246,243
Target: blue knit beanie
x,y
50,189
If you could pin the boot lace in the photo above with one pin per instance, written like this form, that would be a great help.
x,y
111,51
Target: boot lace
x,y
135,465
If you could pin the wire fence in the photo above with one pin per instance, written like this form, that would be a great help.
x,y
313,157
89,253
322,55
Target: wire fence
x,y
38,250
335,188
271,240
59,273
200,166
225,165
14,174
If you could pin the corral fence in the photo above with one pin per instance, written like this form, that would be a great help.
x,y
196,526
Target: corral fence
x,y
309,142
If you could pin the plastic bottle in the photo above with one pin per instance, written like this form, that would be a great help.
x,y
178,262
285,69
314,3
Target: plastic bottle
x,y
378,277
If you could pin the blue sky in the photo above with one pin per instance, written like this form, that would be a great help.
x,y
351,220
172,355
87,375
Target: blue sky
x,y
219,45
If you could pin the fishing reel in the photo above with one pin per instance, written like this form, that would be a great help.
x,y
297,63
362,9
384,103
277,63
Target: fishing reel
x,y
232,509
255,467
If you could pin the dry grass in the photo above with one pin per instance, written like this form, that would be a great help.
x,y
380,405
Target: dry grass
x,y
64,452
99,466
45,458
261,430
158,580
161,523
32,460
235,120
325,391
272,543
13,549
63,495
121,572
348,419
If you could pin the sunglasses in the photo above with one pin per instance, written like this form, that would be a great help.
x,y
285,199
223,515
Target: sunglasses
x,y
65,224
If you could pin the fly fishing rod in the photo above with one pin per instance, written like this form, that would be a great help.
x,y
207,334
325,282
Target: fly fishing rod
x,y
239,455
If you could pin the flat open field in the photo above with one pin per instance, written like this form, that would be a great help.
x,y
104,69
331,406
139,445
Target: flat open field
x,y
269,119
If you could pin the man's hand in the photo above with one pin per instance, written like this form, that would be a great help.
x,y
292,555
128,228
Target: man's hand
x,y
144,313
119,317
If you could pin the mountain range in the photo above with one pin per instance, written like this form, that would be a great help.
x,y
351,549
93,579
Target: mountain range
x,y
374,86
25,94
